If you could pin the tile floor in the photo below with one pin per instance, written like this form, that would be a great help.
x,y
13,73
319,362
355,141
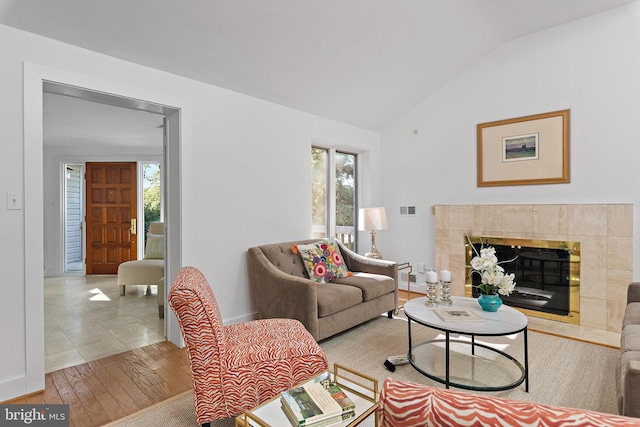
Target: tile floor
x,y
86,319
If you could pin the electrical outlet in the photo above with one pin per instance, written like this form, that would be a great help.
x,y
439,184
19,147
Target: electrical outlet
x,y
421,267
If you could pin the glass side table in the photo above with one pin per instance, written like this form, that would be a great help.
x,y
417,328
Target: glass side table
x,y
361,388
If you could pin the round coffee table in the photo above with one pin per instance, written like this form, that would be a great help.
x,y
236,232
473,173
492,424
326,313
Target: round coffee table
x,y
486,359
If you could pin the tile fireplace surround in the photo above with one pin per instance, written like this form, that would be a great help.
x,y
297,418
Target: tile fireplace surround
x,y
605,232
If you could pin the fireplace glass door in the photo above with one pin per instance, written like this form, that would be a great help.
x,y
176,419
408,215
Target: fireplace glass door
x,y
547,274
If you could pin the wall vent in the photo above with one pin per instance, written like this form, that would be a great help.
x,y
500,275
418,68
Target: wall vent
x,y
408,210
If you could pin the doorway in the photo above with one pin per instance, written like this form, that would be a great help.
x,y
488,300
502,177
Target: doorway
x,y
111,192
36,79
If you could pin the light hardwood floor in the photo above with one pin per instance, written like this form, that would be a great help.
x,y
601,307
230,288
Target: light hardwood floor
x,y
111,388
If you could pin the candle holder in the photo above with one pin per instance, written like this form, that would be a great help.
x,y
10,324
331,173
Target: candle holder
x,y
432,294
445,292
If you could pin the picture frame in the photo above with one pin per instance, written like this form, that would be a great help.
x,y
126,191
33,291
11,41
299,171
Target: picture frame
x,y
524,150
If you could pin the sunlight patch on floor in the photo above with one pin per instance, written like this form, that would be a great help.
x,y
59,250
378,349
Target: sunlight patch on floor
x,y
99,295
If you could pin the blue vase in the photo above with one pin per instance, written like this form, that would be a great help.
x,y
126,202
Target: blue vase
x,y
489,302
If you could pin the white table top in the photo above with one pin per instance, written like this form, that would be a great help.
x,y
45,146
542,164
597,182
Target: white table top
x,y
502,322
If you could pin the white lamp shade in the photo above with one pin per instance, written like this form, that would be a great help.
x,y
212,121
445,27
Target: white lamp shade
x,y
372,219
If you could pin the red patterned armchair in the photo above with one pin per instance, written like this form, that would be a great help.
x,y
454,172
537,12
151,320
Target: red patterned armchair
x,y
239,366
405,404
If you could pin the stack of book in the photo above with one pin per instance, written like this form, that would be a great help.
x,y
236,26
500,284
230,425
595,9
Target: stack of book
x,y
317,404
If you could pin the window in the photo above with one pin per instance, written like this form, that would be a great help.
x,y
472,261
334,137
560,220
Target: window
x,y
152,194
73,218
333,195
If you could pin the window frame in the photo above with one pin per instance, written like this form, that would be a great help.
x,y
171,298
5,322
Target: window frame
x,y
331,184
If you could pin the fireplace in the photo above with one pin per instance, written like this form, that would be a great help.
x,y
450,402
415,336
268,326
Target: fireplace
x,y
547,275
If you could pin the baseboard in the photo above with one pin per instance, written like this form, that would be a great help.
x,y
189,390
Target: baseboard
x,y
420,288
240,319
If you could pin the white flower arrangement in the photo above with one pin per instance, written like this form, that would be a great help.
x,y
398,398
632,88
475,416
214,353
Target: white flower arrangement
x,y
493,278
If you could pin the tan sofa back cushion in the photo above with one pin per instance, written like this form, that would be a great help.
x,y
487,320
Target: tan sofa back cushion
x,y
281,256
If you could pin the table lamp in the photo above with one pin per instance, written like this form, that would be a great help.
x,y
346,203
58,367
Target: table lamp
x,y
372,219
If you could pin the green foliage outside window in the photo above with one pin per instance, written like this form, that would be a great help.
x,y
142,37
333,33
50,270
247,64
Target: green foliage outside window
x,y
319,187
345,189
151,194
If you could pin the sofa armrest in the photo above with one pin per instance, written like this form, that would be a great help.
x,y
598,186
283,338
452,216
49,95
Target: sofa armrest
x,y
278,294
633,292
408,403
357,262
631,393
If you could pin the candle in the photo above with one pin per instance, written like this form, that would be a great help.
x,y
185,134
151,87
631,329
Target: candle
x,y
432,277
445,275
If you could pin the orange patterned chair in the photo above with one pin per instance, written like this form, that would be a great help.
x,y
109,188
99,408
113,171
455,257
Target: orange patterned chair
x,y
405,404
239,366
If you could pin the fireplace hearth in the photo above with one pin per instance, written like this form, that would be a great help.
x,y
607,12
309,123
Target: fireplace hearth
x,y
547,275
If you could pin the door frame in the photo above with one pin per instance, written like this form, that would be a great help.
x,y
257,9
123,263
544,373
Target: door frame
x,y
178,112
82,160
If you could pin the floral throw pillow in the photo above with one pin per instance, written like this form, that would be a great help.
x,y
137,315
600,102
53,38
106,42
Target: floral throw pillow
x,y
323,261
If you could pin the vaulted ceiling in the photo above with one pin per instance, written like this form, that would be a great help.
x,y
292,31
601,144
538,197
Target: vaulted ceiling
x,y
362,62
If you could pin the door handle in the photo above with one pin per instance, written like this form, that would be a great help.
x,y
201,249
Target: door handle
x,y
133,226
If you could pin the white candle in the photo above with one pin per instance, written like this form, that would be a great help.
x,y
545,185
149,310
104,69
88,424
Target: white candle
x,y
445,275
432,277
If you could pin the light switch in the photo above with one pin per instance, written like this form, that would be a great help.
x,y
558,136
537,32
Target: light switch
x,y
14,200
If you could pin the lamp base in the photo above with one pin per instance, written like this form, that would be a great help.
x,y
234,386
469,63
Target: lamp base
x,y
373,254
373,251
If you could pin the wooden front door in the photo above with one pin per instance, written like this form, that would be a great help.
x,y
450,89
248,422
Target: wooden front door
x,y
111,216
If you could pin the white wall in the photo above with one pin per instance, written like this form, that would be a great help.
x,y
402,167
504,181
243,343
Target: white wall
x,y
591,66
245,180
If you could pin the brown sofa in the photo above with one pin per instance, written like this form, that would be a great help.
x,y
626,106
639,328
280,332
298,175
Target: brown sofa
x,y
628,369
282,288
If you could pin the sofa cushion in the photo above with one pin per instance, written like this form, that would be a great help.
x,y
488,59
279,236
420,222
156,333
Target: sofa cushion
x,y
371,285
323,261
140,272
333,298
631,314
281,256
630,338
154,248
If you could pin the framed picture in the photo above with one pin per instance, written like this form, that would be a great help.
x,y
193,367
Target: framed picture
x,y
524,150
